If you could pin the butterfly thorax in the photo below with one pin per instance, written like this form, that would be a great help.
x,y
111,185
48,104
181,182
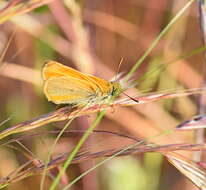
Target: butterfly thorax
x,y
105,96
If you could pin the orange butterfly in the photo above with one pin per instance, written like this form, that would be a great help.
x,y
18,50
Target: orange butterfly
x,y
64,85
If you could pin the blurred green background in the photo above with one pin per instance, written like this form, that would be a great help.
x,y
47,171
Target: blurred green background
x,y
92,36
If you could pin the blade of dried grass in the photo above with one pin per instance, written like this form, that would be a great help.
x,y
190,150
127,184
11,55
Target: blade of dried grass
x,y
22,73
15,175
12,9
58,115
190,169
114,155
88,155
67,112
82,156
198,122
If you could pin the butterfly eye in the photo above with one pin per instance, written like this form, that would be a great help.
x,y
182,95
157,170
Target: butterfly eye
x,y
115,88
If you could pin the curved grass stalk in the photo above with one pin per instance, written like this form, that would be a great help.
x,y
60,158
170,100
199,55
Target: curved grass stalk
x,y
157,39
76,149
118,153
50,153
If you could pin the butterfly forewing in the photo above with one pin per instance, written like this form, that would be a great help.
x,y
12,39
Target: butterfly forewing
x,y
55,69
104,85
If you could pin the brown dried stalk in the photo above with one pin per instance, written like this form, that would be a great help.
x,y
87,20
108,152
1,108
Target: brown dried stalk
x,y
37,167
18,7
68,112
192,170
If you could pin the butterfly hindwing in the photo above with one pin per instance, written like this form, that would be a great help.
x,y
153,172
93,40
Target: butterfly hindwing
x,y
67,90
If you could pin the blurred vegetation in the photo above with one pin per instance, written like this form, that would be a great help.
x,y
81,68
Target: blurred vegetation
x,y
92,37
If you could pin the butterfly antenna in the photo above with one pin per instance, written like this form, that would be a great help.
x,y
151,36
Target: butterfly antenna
x,y
118,69
134,99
